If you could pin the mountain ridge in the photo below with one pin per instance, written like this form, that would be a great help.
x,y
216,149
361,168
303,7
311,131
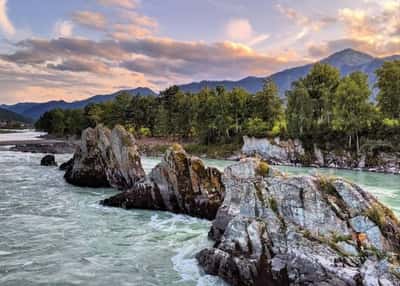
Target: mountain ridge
x,y
347,61
8,115
34,109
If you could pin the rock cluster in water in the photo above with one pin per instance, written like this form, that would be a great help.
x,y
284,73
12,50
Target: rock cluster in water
x,y
105,158
268,228
291,152
274,229
180,184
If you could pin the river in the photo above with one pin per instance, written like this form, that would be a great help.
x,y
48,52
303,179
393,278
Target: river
x,y
55,234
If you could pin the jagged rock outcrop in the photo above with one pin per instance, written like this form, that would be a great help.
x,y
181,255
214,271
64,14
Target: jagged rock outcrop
x,y
291,152
274,229
48,160
106,158
180,184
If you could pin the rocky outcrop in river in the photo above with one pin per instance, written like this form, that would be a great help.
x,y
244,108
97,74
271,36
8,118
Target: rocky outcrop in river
x,y
274,229
105,158
292,152
180,184
269,228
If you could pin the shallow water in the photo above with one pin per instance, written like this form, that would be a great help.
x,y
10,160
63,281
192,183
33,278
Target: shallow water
x,y
52,233
56,234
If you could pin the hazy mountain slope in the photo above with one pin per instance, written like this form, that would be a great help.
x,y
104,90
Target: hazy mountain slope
x,y
7,115
346,61
35,110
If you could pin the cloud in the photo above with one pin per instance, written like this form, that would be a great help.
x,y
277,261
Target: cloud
x,y
133,25
307,24
128,4
63,29
5,23
240,30
75,68
80,65
89,19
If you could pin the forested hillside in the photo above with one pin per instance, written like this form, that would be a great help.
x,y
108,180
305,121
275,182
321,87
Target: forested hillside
x,y
322,108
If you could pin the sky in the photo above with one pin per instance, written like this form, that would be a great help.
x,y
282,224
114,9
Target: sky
x,y
70,50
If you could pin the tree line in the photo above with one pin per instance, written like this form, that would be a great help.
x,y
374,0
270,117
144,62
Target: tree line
x,y
322,108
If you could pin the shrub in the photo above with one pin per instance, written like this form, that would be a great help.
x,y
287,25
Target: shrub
x,y
262,169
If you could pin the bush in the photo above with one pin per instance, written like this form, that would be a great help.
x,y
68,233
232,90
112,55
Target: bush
x,y
262,169
145,132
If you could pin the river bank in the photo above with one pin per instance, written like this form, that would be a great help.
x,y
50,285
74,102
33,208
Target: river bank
x,y
275,152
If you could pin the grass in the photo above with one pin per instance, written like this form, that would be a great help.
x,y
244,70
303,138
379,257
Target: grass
x,y
262,169
273,204
379,213
326,185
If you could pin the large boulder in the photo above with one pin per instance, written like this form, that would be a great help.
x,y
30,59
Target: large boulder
x,y
274,229
180,184
105,158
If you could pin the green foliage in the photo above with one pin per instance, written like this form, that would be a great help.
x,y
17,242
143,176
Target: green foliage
x,y
352,109
262,169
389,89
145,132
321,109
256,127
273,204
326,185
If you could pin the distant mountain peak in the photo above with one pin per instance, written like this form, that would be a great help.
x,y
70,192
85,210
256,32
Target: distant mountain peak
x,y
349,57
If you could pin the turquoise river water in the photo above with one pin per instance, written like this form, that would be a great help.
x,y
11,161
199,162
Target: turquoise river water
x,y
52,233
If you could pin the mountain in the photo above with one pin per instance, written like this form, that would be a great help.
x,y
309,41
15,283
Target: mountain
x,y
7,115
35,110
347,61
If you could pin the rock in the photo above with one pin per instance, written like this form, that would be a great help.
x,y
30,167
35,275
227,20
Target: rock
x,y
48,160
180,184
106,158
274,229
347,248
67,165
291,152
276,152
319,156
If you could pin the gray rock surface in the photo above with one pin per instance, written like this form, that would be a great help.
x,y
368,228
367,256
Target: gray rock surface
x,y
276,229
277,152
106,158
291,152
180,184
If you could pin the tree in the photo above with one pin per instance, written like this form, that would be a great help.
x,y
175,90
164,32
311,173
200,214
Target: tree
x,y
389,89
256,127
93,114
299,111
352,108
266,104
321,84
